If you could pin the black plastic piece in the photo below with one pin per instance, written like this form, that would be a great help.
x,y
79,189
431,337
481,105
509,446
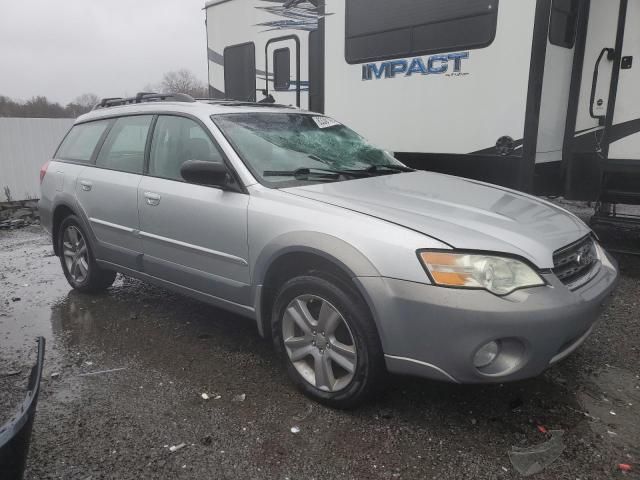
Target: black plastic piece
x,y
15,436
200,172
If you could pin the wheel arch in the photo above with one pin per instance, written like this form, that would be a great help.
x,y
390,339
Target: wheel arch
x,y
61,211
302,252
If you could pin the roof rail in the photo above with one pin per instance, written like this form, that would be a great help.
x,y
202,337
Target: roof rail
x,y
143,97
241,103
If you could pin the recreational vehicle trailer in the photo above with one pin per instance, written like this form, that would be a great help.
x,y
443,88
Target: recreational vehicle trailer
x,y
538,95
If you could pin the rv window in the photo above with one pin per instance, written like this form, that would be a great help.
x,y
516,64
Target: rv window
x,y
564,23
380,29
240,72
281,69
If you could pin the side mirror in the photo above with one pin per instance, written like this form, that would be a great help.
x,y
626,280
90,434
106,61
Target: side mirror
x,y
200,172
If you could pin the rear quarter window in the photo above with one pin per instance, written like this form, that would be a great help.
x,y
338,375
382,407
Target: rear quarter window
x,y
81,141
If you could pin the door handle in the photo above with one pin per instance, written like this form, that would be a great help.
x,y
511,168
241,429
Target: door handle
x,y
152,199
86,185
611,55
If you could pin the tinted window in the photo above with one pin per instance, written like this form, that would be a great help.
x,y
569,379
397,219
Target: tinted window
x,y
124,147
281,69
240,72
81,141
176,140
564,23
381,29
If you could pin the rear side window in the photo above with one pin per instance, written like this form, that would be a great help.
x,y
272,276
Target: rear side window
x,y
282,69
564,23
176,140
382,29
240,72
124,147
81,141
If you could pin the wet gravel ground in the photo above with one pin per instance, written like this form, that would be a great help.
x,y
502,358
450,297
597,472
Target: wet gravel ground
x,y
164,351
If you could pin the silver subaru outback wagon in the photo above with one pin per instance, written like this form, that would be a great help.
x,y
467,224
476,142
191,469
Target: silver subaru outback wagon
x,y
352,263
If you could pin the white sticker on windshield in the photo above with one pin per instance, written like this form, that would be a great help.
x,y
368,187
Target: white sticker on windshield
x,y
325,122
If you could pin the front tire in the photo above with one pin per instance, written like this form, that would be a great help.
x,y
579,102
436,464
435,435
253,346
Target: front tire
x,y
328,340
78,262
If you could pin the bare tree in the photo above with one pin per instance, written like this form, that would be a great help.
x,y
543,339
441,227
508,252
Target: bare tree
x,y
82,104
183,81
87,100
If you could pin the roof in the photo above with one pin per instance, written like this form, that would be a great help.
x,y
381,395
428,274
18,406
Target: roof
x,y
198,108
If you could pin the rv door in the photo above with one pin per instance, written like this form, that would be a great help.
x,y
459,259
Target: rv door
x,y
624,133
591,90
283,70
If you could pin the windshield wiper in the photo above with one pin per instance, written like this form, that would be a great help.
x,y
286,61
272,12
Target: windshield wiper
x,y
393,168
305,172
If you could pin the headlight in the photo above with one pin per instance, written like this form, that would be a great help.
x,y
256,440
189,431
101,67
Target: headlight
x,y
499,275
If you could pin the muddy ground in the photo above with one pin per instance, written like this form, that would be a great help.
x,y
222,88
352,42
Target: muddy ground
x,y
167,350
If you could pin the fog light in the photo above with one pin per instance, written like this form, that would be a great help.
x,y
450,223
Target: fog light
x,y
486,355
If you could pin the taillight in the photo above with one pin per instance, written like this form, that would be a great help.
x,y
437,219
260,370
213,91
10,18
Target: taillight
x,y
43,170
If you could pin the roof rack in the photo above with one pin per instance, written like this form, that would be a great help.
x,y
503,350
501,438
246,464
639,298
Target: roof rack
x,y
242,103
143,97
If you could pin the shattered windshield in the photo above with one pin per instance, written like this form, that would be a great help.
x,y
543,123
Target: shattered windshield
x,y
284,149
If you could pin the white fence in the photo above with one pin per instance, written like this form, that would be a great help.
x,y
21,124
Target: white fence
x,y
25,145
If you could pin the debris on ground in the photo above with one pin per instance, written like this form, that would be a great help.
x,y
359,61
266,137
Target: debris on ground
x,y
205,396
542,429
240,398
302,416
295,429
55,375
100,372
12,373
624,467
175,448
531,460
15,299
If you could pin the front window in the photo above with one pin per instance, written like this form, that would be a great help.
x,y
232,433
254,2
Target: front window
x,y
284,149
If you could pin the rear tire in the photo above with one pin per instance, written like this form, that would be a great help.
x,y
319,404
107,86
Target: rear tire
x,y
330,345
78,262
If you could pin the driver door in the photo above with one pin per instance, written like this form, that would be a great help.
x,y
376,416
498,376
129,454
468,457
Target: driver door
x,y
192,235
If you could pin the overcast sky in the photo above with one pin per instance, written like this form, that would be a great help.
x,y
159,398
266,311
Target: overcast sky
x,y
64,48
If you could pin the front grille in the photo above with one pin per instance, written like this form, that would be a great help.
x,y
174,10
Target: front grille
x,y
575,261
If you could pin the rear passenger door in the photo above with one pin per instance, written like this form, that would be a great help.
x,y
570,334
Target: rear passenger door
x,y
192,235
108,191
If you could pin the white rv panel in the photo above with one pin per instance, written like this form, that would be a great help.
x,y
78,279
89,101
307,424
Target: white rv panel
x,y
237,22
455,112
627,111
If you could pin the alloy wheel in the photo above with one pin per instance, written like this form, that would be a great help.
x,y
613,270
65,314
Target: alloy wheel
x,y
76,254
319,343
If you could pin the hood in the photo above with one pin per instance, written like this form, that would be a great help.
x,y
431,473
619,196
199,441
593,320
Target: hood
x,y
462,213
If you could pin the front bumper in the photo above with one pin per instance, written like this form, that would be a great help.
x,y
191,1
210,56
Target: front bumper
x,y
435,332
